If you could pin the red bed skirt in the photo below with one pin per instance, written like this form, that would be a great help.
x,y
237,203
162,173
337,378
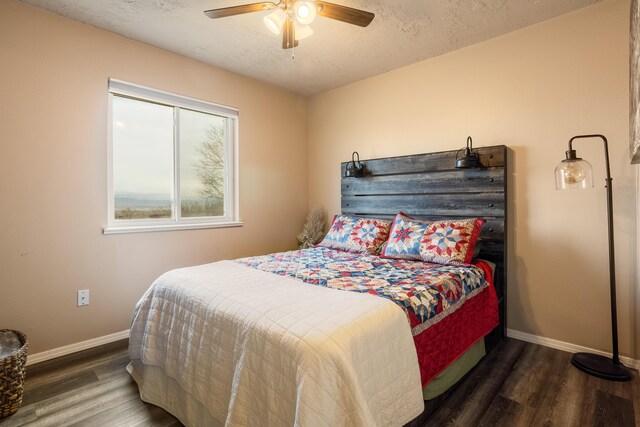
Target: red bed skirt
x,y
442,343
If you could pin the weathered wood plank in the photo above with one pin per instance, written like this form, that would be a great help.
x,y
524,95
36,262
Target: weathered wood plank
x,y
610,410
450,181
508,413
494,156
77,380
494,250
536,366
463,205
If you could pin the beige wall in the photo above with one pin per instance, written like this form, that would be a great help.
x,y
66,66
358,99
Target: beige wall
x,y
53,147
530,90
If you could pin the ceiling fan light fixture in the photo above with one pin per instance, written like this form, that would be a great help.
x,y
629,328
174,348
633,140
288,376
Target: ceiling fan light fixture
x,y
275,20
305,12
302,31
291,18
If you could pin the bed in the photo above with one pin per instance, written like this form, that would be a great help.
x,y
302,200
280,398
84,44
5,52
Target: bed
x,y
276,340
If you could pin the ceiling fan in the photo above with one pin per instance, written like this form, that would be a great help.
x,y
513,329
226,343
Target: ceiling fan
x,y
292,18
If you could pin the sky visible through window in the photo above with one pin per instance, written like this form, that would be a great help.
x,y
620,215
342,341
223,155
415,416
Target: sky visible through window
x,y
142,149
143,153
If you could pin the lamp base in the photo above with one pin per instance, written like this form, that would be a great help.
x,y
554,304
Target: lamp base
x,y
601,367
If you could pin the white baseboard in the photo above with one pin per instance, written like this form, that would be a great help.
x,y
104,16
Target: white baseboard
x,y
565,346
511,333
73,348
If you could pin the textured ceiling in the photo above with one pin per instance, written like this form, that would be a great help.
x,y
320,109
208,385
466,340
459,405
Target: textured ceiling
x,y
403,32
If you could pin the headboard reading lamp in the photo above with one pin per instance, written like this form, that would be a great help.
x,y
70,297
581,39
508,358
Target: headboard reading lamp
x,y
354,169
470,159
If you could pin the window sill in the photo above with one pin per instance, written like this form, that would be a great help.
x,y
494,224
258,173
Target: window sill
x,y
170,227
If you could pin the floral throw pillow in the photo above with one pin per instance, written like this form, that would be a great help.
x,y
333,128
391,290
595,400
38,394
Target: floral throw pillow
x,y
353,234
405,238
451,241
440,242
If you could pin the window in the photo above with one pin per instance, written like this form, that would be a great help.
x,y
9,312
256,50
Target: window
x,y
172,161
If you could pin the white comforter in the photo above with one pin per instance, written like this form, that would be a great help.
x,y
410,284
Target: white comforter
x,y
224,344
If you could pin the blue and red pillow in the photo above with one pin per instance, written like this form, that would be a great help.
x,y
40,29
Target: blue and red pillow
x,y
353,234
441,242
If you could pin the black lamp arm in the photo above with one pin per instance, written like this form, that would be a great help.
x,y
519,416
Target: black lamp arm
x,y
606,149
353,159
469,146
354,168
612,272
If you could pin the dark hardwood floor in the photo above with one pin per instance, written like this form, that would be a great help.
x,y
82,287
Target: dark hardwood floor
x,y
517,384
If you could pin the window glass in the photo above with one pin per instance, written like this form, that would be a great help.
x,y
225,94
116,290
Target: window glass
x,y
142,159
202,164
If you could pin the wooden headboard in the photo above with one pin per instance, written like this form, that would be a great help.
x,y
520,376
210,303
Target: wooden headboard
x,y
427,186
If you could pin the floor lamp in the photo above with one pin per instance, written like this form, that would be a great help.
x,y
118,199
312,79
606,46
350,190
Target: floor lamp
x,y
575,173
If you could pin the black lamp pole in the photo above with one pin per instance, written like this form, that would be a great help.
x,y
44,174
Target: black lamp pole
x,y
593,364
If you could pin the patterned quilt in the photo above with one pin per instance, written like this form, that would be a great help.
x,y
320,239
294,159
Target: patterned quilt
x,y
426,292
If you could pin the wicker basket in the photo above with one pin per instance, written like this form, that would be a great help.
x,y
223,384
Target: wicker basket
x,y
12,371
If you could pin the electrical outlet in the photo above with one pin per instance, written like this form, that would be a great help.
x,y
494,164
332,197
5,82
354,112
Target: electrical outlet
x,y
83,297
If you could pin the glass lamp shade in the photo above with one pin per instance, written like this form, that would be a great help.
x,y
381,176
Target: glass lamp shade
x,y
574,174
305,12
275,20
302,31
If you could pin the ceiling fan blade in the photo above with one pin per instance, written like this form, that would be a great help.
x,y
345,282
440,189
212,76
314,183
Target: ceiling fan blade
x,y
237,10
345,14
289,35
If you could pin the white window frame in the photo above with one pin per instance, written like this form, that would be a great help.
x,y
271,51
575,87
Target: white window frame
x,y
230,218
